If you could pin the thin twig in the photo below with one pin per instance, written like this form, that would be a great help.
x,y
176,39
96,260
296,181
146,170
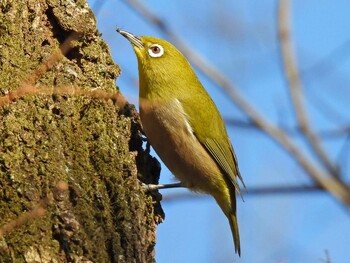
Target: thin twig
x,y
56,56
344,152
254,191
26,90
323,68
28,86
333,186
335,133
295,86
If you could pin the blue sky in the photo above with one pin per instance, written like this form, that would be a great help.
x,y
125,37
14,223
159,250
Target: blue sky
x,y
240,38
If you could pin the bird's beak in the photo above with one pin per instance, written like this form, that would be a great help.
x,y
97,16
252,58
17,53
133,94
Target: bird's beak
x,y
134,40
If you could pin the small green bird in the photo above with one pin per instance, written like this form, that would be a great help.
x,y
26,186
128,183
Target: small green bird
x,y
184,126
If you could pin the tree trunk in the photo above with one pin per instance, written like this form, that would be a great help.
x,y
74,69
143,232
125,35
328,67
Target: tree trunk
x,y
70,150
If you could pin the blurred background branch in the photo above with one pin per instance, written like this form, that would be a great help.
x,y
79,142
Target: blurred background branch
x,y
295,86
334,133
253,191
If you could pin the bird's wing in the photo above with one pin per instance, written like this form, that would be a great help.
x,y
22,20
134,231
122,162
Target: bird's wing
x,y
223,154
211,133
209,129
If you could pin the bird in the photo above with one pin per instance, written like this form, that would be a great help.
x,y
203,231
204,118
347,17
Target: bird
x,y
184,126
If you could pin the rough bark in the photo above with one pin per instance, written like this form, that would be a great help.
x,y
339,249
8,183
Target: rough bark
x,y
70,158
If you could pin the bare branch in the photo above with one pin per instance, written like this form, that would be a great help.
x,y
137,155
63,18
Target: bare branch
x,y
331,184
255,191
335,133
343,155
295,86
323,68
340,131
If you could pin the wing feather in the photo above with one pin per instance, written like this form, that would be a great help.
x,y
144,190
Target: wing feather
x,y
225,162
209,128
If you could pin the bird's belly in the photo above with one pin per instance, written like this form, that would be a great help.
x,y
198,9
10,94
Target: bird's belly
x,y
170,135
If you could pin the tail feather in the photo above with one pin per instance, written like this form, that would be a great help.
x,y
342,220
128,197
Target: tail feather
x,y
232,218
227,202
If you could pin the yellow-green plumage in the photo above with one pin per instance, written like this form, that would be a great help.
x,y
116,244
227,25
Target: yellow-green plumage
x,y
184,126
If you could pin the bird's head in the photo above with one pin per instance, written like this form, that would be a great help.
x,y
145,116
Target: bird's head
x,y
162,67
157,58
153,51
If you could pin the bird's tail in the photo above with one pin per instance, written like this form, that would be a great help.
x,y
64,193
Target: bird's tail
x,y
227,202
232,218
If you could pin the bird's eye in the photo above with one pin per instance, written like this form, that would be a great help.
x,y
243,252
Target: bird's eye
x,y
155,51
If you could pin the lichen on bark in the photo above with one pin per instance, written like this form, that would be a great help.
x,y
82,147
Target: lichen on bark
x,y
86,140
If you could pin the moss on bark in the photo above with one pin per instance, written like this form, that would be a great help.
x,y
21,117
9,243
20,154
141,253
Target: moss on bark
x,y
84,141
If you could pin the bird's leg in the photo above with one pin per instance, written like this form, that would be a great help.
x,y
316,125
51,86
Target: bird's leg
x,y
153,187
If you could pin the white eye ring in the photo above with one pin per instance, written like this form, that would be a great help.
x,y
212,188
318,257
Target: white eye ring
x,y
156,51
